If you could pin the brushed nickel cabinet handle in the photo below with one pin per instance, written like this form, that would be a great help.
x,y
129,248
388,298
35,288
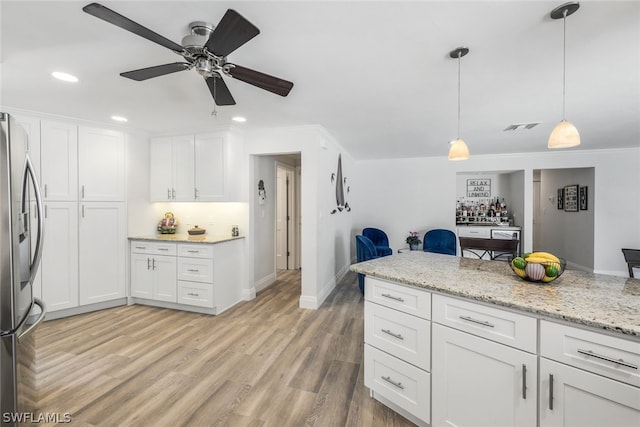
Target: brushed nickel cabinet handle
x,y
524,381
148,263
163,249
190,270
46,211
479,322
551,392
173,193
388,332
191,294
83,191
390,381
400,299
45,190
168,194
619,362
82,211
154,264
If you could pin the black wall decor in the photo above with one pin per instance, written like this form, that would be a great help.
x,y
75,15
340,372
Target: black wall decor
x,y
584,198
560,198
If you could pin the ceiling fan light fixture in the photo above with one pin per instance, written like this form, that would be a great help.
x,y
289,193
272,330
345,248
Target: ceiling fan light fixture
x,y
565,134
458,150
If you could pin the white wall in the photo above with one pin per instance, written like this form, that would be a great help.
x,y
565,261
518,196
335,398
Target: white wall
x,y
407,194
325,247
263,232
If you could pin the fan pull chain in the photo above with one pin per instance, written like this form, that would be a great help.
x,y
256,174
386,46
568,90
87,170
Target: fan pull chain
x,y
214,113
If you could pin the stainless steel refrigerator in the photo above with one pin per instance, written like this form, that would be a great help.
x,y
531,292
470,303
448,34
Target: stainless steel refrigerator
x,y
20,312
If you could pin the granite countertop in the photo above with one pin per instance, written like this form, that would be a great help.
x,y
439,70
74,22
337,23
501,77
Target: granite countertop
x,y
601,301
186,238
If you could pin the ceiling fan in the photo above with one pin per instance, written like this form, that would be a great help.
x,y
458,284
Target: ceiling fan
x,y
205,49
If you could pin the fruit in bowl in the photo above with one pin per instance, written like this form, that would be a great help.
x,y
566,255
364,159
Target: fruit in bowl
x,y
538,266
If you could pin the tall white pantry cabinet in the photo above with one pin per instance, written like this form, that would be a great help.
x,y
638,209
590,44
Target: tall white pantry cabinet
x,y
82,179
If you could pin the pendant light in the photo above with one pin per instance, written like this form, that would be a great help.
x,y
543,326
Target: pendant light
x,y
565,134
458,149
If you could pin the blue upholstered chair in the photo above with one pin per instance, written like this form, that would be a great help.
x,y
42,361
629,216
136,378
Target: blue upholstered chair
x,y
365,250
440,241
379,239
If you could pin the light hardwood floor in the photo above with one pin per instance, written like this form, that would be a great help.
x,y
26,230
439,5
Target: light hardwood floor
x,y
265,362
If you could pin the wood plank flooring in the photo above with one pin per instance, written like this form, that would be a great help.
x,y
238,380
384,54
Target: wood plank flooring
x,y
265,362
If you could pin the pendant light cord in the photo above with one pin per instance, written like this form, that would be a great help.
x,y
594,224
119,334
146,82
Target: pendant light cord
x,y
564,61
459,56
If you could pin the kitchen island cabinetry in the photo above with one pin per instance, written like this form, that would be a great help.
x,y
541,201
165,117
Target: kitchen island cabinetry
x,y
187,274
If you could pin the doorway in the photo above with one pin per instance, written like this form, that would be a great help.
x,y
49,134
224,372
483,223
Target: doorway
x,y
287,208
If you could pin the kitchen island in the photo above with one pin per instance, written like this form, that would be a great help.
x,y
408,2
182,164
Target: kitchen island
x,y
459,341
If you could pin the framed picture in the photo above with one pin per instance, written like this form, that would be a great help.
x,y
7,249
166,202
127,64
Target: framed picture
x,y
571,198
560,198
584,198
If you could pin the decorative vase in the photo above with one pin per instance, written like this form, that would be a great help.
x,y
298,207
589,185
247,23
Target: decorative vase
x,y
414,247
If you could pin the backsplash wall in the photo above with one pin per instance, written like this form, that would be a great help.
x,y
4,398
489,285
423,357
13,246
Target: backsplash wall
x,y
216,218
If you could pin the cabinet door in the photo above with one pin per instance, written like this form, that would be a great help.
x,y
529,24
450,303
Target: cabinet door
x,y
31,126
141,276
59,168
210,170
477,382
161,170
102,255
573,397
183,169
60,256
166,285
101,173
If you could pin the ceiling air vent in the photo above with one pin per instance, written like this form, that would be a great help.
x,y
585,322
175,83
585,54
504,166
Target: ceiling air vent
x,y
521,126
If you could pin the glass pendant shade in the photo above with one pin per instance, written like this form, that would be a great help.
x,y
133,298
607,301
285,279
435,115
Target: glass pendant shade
x,y
458,150
564,135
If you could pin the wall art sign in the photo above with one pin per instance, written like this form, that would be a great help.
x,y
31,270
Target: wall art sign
x,y
571,198
560,198
584,198
478,188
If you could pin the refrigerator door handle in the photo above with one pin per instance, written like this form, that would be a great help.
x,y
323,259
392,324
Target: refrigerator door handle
x,y
40,318
37,254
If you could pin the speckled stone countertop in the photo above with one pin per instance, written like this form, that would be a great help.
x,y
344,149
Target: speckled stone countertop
x,y
605,302
186,238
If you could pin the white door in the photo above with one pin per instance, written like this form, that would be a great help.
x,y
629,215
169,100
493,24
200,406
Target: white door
x,y
536,215
281,219
183,169
165,278
573,397
210,170
103,252
161,170
60,256
59,154
141,276
101,157
477,382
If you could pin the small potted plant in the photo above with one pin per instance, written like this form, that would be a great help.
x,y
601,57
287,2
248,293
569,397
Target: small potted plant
x,y
413,240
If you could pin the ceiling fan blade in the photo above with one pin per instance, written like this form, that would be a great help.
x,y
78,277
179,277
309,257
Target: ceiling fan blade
x,y
232,32
158,70
106,14
261,80
219,91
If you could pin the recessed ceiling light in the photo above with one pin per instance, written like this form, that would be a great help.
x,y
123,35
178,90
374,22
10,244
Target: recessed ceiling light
x,y
119,119
239,119
64,77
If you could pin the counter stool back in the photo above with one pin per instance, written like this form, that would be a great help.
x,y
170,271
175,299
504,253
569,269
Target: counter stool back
x,y
494,247
632,257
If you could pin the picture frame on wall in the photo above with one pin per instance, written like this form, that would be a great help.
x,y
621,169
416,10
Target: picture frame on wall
x,y
560,198
584,198
571,198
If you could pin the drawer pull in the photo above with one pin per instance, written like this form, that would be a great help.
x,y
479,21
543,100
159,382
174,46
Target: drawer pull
x,y
163,249
388,332
191,294
479,322
194,252
551,392
191,270
141,247
390,381
524,381
393,298
607,359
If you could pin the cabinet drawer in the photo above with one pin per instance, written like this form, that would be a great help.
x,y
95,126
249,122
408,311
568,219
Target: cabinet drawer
x,y
195,270
399,382
194,293
501,326
152,248
406,299
195,251
477,232
402,335
609,356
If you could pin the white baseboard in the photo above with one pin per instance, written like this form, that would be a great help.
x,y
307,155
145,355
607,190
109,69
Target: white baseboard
x,y
620,273
262,283
315,302
51,315
574,266
248,294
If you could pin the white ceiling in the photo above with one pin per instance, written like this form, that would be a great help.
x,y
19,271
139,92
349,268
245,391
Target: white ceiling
x,y
376,75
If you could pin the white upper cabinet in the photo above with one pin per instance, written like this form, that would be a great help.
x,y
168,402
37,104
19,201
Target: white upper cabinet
x,y
31,125
101,166
210,168
59,149
172,163
189,168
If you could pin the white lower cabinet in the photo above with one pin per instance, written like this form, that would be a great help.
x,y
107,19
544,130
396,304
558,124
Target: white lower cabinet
x,y
571,397
153,277
477,382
